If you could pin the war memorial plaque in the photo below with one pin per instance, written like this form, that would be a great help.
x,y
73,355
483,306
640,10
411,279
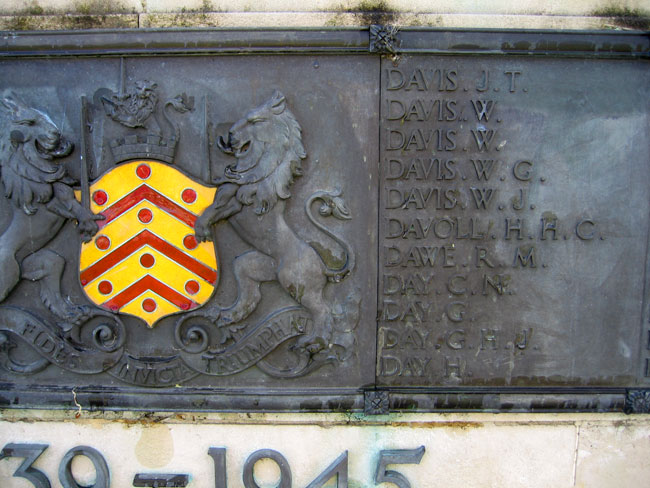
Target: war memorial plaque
x,y
314,220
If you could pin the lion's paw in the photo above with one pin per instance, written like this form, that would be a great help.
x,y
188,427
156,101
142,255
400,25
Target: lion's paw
x,y
74,315
224,320
202,229
88,227
312,343
229,332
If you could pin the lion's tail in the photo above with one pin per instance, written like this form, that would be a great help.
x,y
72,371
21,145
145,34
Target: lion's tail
x,y
332,205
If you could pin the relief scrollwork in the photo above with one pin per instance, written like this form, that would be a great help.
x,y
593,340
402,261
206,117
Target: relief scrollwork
x,y
39,200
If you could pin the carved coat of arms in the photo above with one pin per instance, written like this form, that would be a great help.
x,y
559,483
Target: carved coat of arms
x,y
145,259
148,245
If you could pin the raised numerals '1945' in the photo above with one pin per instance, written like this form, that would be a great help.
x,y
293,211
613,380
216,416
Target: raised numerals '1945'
x,y
338,468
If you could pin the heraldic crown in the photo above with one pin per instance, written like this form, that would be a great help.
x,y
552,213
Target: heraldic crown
x,y
138,109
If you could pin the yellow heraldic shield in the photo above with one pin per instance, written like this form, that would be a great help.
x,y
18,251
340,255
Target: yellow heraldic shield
x,y
145,260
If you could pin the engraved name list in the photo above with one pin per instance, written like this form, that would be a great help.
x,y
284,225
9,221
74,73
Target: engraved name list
x,y
475,220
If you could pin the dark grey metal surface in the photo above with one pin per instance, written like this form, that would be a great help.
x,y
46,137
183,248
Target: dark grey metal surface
x,y
183,42
513,222
484,205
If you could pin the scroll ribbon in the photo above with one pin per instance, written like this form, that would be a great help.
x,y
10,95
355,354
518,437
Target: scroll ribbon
x,y
50,346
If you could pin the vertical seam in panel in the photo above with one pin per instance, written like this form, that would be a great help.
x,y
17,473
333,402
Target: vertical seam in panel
x,y
379,183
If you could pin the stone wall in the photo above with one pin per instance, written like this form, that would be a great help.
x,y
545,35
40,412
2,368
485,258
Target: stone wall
x,y
462,450
89,14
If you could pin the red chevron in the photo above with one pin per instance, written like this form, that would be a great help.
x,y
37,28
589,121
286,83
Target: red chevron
x,y
144,192
135,243
148,282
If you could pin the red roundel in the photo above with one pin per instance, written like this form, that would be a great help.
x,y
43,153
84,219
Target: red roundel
x,y
147,260
189,195
192,287
145,216
102,243
149,305
189,241
100,197
105,287
143,171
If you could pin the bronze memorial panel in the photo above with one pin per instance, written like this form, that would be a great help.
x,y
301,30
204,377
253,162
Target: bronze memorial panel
x,y
328,220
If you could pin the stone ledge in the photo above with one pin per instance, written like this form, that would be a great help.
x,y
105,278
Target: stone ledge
x,y
429,420
68,22
502,7
302,19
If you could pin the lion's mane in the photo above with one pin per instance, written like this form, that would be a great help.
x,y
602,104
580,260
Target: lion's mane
x,y
284,155
26,174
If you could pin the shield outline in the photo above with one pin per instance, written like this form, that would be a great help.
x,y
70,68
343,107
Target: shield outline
x,y
153,243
